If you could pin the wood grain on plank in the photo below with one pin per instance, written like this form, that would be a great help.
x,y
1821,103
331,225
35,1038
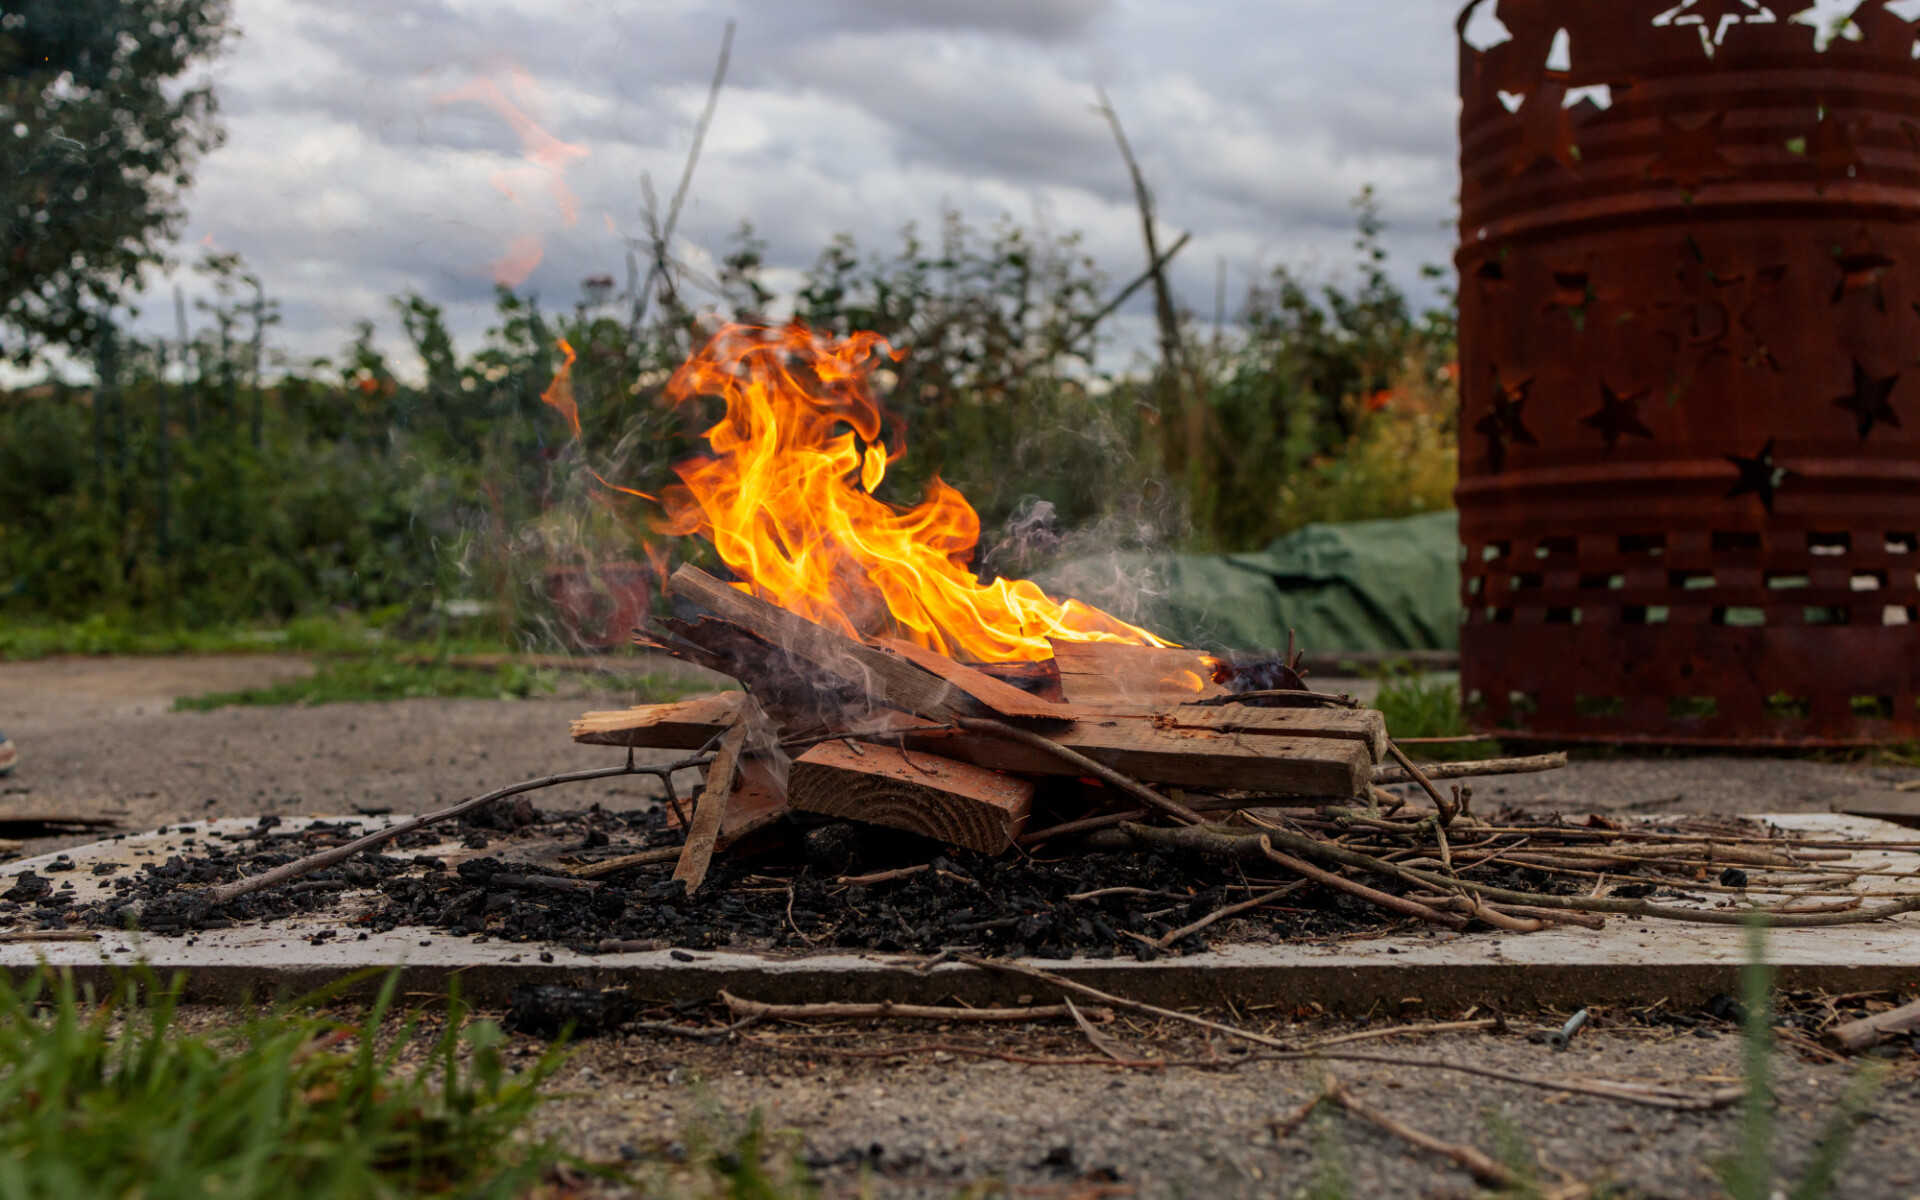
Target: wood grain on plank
x,y
681,725
916,792
1118,673
704,832
1267,763
1000,696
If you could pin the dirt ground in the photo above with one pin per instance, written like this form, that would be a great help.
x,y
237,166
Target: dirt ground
x,y
98,736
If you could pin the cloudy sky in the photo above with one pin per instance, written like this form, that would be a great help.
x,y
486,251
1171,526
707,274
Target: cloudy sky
x,y
438,144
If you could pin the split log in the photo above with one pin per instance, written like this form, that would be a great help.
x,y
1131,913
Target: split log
x,y
1867,1032
921,793
998,695
1120,673
702,835
681,725
889,679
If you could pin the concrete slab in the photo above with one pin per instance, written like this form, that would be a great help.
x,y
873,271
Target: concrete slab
x,y
1628,962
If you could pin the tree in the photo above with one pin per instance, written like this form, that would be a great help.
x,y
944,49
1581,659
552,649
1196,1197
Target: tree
x,y
97,142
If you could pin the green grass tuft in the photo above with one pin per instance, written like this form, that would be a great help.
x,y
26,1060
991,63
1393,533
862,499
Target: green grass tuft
x,y
110,1099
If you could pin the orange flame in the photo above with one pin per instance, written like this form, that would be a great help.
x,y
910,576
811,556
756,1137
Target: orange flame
x,y
787,500
559,397
549,158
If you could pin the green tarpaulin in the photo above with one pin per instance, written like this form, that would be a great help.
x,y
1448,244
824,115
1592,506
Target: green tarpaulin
x,y
1355,586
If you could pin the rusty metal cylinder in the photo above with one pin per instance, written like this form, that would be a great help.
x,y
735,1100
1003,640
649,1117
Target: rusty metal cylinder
x,y
1690,371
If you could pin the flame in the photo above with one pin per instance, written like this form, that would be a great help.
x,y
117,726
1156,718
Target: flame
x,y
787,500
548,156
559,397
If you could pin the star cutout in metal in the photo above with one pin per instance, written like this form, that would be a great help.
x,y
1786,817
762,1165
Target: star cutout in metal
x,y
1690,157
1758,475
1618,415
1714,17
1505,421
1870,400
1834,148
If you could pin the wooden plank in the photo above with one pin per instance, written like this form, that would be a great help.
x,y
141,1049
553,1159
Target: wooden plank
x,y
697,854
1189,757
1000,696
1364,725
759,800
891,680
1118,673
918,793
681,725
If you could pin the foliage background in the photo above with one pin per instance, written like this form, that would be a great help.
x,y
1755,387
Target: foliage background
x,y
200,482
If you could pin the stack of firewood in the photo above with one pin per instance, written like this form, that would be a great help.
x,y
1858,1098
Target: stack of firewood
x,y
892,734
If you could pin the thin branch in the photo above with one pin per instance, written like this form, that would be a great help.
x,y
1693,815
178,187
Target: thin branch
x,y
225,893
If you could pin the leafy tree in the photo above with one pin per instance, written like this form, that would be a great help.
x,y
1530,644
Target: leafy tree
x,y
97,142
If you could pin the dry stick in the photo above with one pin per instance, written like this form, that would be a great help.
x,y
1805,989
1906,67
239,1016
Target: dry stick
x,y
887,1010
1132,787
1447,810
1340,701
1525,765
1475,1163
1856,1036
1213,840
225,893
663,236
1654,1096
1109,820
1120,297
1099,1041
1367,1035
1222,913
645,858
1379,899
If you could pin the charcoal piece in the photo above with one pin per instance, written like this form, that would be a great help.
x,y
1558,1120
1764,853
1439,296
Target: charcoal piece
x,y
505,816
833,849
27,886
548,1009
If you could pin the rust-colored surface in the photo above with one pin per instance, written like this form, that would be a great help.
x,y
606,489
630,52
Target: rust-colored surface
x,y
1690,480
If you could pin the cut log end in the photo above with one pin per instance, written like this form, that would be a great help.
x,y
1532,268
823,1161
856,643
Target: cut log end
x,y
915,792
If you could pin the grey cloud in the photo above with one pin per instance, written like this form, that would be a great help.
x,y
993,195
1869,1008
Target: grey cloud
x,y
1038,19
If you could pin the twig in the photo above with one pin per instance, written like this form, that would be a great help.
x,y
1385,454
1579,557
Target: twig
x,y
1218,914
644,858
1099,770
1215,840
1166,256
1099,1041
1379,899
663,235
226,893
673,1029
1655,1096
884,876
1447,809
887,1010
1524,765
1367,1035
791,923
1470,1160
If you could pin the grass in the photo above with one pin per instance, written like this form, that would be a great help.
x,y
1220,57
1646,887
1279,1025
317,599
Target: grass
x,y
112,1099
360,680
1421,706
103,633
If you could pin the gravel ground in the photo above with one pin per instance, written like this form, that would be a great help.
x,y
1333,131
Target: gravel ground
x,y
96,735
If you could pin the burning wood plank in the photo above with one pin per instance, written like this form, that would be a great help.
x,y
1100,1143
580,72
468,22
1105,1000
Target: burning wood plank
x,y
997,694
1118,673
891,680
920,793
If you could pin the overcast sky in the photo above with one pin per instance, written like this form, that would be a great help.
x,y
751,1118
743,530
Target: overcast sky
x,y
438,144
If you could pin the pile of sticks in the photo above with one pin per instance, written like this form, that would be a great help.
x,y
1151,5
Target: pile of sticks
x,y
1131,747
